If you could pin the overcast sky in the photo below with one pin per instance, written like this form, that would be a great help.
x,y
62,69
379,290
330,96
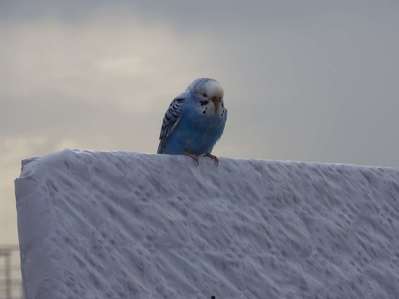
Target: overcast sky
x,y
304,80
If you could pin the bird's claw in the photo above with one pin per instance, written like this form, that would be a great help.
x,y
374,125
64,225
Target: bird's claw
x,y
213,157
194,157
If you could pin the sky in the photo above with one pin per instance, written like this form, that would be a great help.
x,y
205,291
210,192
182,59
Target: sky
x,y
308,80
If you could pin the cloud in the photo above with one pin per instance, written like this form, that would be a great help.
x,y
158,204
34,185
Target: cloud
x,y
59,76
303,75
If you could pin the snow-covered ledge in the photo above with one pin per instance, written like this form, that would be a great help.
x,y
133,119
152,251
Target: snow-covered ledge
x,y
125,225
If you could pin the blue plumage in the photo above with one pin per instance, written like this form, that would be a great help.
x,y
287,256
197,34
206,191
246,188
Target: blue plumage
x,y
194,121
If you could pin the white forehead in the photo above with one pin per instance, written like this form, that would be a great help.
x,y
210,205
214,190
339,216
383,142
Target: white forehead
x,y
208,86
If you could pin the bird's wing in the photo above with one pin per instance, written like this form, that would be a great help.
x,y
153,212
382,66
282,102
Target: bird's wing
x,y
170,120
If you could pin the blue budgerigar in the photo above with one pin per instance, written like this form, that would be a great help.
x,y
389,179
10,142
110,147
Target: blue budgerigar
x,y
194,121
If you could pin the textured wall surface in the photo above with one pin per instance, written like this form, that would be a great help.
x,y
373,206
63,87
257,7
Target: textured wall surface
x,y
126,225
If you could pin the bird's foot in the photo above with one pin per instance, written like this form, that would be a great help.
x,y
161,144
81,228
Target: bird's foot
x,y
214,158
194,157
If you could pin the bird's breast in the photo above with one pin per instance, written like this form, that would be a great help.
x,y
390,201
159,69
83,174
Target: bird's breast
x,y
201,120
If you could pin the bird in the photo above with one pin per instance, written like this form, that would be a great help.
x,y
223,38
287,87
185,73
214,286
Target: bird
x,y
194,121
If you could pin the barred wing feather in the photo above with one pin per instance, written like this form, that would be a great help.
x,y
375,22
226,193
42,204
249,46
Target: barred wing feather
x,y
170,121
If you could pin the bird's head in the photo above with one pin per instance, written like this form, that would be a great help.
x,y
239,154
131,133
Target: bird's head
x,y
207,91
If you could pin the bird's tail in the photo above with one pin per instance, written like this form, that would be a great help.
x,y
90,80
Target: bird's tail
x,y
160,148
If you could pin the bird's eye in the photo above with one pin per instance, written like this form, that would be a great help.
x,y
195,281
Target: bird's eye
x,y
203,103
205,95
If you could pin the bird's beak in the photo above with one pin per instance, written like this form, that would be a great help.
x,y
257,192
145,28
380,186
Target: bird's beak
x,y
216,101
